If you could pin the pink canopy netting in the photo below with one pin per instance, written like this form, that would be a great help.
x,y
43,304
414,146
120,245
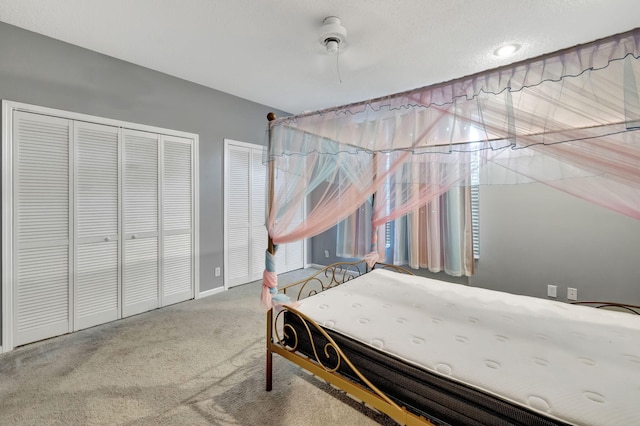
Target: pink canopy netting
x,y
569,119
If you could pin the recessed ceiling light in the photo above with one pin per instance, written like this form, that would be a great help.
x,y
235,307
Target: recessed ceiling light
x,y
506,50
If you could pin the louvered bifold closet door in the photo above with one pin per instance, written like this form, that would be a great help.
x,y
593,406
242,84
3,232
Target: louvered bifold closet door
x,y
290,256
237,215
42,244
177,214
96,220
140,265
257,200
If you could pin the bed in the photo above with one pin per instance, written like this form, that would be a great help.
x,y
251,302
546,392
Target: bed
x,y
428,352
569,120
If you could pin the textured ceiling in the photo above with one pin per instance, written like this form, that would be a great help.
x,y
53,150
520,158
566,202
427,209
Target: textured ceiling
x,y
268,51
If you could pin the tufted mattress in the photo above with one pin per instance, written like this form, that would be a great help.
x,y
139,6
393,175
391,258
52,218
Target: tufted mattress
x,y
563,363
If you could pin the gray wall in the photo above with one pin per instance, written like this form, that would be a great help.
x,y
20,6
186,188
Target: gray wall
x,y
39,70
532,235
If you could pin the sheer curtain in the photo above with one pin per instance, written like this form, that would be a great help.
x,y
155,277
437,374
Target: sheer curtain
x,y
354,233
440,234
437,236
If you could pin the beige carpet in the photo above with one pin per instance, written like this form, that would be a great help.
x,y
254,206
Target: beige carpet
x,y
199,362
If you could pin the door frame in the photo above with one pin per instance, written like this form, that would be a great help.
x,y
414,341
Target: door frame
x,y
227,143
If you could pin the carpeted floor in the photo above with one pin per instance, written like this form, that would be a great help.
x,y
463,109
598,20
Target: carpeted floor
x,y
199,362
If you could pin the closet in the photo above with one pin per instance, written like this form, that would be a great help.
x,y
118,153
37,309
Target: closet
x,y
245,232
102,221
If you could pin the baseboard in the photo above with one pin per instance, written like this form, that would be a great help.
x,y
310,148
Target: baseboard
x,y
210,292
315,265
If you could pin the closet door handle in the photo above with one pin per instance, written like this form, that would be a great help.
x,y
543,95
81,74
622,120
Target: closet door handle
x,y
107,238
134,236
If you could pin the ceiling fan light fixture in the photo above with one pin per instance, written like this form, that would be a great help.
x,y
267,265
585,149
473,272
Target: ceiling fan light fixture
x,y
332,34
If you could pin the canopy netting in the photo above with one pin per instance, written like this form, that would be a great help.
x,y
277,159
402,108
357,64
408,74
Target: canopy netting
x,y
569,119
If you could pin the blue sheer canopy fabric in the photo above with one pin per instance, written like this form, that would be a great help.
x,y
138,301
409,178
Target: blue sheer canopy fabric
x,y
570,119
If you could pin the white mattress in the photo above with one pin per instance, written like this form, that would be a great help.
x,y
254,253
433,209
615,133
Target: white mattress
x,y
574,363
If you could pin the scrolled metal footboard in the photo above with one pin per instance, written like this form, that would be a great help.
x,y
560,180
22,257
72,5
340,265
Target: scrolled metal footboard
x,y
289,339
332,276
323,356
326,352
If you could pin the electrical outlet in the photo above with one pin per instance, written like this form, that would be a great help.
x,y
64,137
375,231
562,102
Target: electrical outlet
x,y
552,290
326,253
572,293
217,271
